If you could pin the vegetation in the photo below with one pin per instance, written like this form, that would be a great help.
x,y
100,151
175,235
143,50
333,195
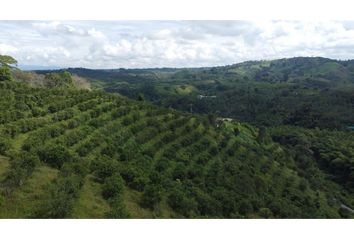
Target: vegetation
x,y
5,62
69,153
306,92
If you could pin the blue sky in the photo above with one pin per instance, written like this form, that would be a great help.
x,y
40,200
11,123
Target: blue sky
x,y
140,44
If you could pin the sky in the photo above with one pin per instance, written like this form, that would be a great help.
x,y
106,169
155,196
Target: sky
x,y
146,44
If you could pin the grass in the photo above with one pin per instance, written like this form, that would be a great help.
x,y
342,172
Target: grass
x,y
328,67
22,202
90,203
4,165
131,200
184,89
18,141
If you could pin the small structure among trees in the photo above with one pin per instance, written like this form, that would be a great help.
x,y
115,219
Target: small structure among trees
x,y
206,96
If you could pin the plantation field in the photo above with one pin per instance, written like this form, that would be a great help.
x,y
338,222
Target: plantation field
x,y
69,153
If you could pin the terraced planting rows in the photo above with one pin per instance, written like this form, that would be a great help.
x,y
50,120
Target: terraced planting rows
x,y
81,154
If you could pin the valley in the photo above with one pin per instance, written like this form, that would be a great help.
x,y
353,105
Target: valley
x,y
80,143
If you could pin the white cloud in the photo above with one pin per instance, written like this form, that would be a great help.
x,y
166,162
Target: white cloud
x,y
7,49
94,33
103,44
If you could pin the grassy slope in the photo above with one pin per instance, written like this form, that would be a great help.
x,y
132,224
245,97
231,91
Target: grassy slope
x,y
90,203
22,202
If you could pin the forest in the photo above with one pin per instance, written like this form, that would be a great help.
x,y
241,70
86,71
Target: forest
x,y
305,92
144,143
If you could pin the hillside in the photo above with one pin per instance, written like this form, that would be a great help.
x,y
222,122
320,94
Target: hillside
x,y
69,153
51,80
307,92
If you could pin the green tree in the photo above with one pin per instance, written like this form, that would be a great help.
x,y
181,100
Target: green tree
x,y
151,196
5,62
4,144
113,186
141,97
5,73
55,155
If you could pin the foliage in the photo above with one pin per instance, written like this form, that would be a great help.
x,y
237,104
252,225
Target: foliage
x,y
5,73
307,92
175,164
55,156
112,186
6,60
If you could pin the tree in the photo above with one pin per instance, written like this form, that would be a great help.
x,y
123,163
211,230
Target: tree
x,y
5,62
104,167
5,73
55,155
181,203
245,207
113,186
262,135
141,97
4,145
60,197
265,213
117,210
151,196
59,80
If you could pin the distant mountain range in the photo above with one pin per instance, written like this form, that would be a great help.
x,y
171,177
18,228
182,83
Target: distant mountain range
x,y
37,67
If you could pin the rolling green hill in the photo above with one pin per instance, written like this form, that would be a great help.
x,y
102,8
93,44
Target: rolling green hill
x,y
69,153
306,92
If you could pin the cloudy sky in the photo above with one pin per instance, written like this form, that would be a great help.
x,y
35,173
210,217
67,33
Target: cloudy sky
x,y
141,44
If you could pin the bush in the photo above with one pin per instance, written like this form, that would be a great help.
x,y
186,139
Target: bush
x,y
139,183
265,213
245,207
5,74
113,186
182,204
118,210
152,195
61,196
22,166
4,145
104,167
55,156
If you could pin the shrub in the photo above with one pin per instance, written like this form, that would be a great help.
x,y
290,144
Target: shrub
x,y
182,204
117,210
113,186
55,156
104,167
265,213
151,196
245,207
4,145
5,74
61,197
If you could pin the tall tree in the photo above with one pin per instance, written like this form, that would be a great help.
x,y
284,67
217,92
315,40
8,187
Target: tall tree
x,y
5,62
